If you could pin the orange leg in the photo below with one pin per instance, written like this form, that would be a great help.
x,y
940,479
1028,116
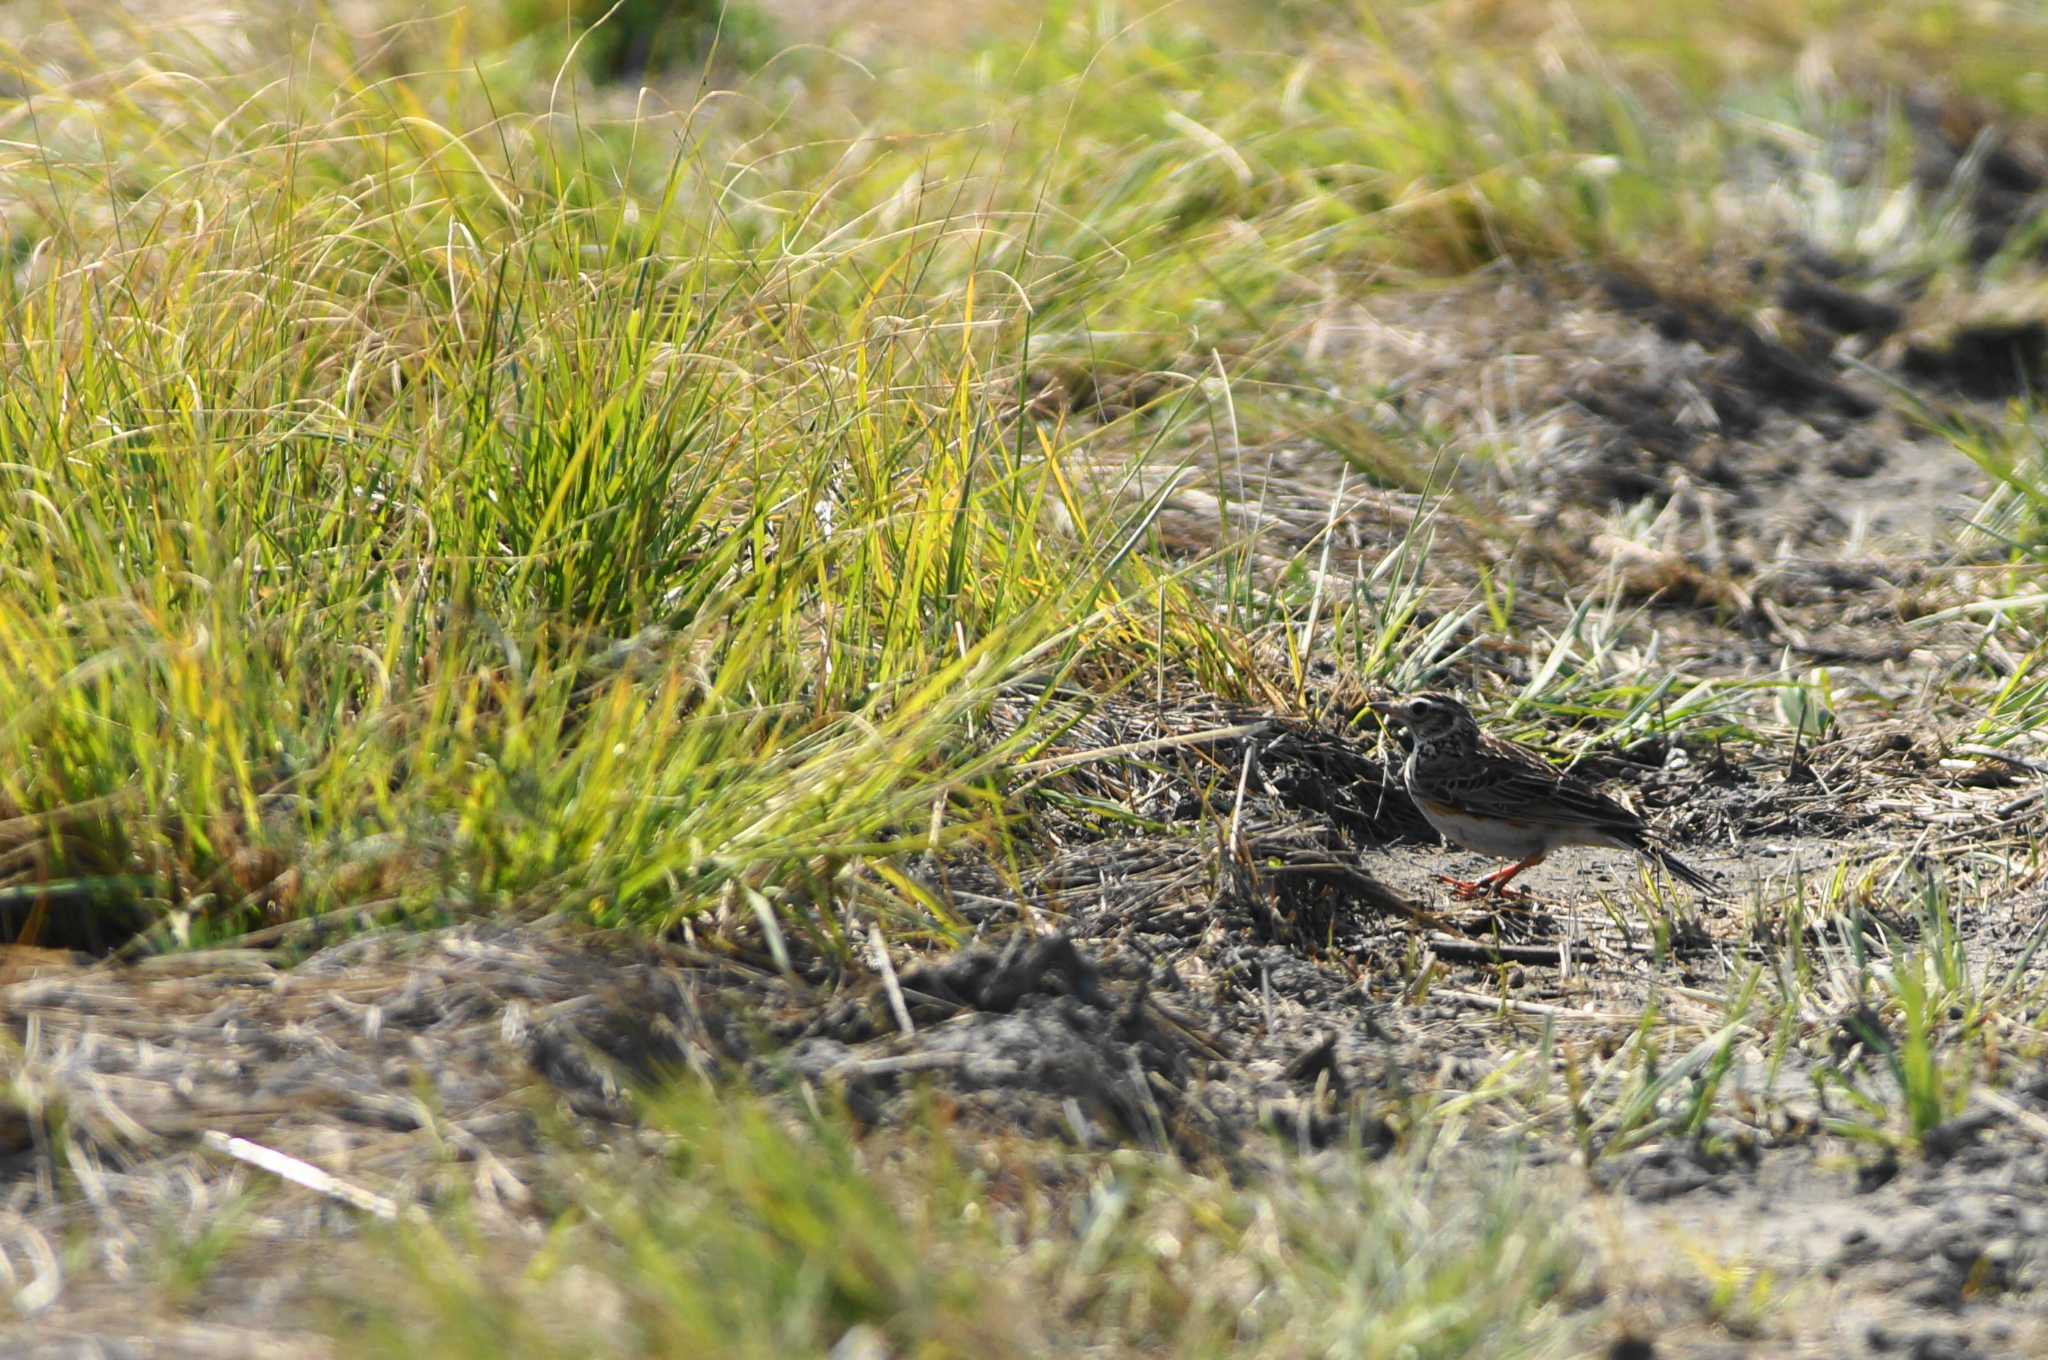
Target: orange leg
x,y
1493,883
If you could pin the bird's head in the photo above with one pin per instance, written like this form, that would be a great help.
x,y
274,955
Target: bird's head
x,y
1431,719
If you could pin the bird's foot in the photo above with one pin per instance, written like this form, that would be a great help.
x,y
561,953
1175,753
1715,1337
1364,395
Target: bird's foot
x,y
1493,886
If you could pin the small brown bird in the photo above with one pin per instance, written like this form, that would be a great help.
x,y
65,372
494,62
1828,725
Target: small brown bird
x,y
1501,799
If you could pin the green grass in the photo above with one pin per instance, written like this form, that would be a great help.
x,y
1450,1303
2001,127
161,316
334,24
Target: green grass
x,y
417,503
756,1235
395,518
435,483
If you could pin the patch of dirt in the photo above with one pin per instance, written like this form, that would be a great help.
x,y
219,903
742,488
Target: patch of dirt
x,y
1939,1258
1755,476
1600,389
1269,968
1291,951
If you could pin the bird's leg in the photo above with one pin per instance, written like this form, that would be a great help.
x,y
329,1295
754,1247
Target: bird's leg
x,y
1494,883
1497,881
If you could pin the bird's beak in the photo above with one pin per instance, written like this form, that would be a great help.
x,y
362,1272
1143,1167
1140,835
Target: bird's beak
x,y
1386,708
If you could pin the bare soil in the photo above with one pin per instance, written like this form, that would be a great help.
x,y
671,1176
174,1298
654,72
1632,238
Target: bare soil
x,y
1239,988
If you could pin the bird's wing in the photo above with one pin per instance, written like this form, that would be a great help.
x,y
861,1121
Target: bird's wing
x,y
1515,786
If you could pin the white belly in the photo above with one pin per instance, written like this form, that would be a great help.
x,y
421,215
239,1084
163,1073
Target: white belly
x,y
1505,839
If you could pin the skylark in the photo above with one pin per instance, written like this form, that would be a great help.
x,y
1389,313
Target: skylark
x,y
1500,799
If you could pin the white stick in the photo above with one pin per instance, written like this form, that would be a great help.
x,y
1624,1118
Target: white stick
x,y
1138,748
301,1173
889,983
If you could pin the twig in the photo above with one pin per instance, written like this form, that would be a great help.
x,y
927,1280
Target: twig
x,y
1486,951
2005,758
364,912
1244,775
2007,811
1139,748
300,1173
1352,878
914,1062
2013,1110
889,982
1484,1002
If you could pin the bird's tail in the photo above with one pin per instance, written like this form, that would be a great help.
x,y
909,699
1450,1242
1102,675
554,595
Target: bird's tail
x,y
1680,870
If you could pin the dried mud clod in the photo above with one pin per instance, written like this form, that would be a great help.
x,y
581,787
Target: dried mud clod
x,y
1986,362
1837,309
2000,168
1029,1036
